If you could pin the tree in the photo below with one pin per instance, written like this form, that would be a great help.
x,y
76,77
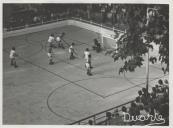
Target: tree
x,y
145,24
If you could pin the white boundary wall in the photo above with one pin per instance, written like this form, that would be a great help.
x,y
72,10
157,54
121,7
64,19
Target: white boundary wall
x,y
59,24
35,29
91,27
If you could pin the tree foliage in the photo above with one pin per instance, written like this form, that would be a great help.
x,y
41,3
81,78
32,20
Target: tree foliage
x,y
145,24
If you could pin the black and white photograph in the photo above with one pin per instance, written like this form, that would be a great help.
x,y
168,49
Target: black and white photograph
x,y
101,63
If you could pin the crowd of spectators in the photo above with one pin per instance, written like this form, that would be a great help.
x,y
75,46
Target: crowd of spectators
x,y
107,14
149,108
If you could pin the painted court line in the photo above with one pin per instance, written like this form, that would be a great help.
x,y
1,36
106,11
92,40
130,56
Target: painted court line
x,y
53,73
59,53
15,71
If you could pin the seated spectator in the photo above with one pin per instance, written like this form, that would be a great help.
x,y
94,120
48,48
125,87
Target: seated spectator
x,y
52,16
117,119
124,109
108,116
115,114
143,111
90,122
140,95
124,115
34,19
153,94
133,110
138,102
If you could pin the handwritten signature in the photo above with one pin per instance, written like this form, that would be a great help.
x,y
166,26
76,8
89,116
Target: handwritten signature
x,y
155,119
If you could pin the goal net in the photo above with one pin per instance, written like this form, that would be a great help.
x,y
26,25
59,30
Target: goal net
x,y
110,41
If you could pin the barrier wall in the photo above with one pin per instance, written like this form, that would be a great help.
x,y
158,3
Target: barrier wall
x,y
35,29
92,27
58,24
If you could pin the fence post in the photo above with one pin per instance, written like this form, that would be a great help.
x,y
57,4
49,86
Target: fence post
x,y
94,118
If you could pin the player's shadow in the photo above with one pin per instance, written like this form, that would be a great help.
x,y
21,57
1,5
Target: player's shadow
x,y
101,64
58,61
103,71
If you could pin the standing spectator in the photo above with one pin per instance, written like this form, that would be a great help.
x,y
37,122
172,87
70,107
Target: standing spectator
x,y
97,46
140,95
90,122
137,102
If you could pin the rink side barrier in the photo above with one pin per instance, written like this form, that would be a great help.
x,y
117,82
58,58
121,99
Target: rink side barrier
x,y
89,25
34,28
100,118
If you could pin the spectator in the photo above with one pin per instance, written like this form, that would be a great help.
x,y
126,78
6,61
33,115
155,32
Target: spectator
x,y
108,116
97,46
116,114
144,96
157,88
133,110
153,94
90,122
140,95
160,82
166,82
138,102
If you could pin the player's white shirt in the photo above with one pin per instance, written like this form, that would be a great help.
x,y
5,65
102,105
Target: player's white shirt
x,y
86,54
70,49
58,39
12,54
51,39
87,65
49,55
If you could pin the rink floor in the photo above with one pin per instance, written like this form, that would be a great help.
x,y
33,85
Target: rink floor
x,y
39,93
